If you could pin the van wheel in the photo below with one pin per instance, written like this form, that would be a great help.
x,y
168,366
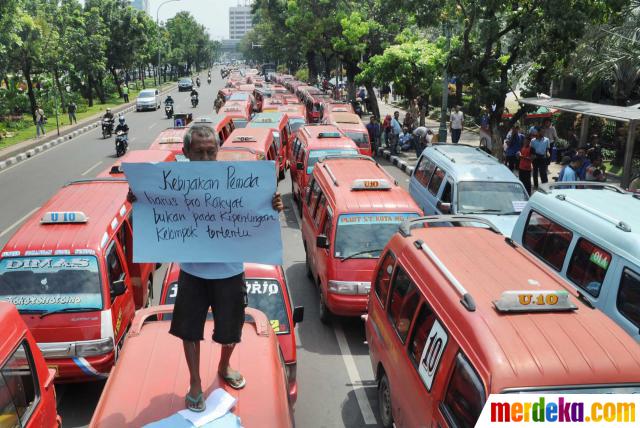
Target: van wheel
x,y
308,264
325,313
281,175
384,402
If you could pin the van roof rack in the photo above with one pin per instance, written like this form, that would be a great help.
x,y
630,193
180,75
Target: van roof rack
x,y
466,299
547,187
407,225
333,177
97,180
347,156
616,222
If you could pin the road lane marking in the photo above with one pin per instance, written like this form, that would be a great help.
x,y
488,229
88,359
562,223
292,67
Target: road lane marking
x,y
152,125
92,168
20,220
354,376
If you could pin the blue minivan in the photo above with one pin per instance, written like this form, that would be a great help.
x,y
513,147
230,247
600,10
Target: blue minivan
x,y
590,235
461,179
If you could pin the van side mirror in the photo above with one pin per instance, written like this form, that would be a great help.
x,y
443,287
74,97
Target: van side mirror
x,y
322,241
298,314
299,165
118,288
444,207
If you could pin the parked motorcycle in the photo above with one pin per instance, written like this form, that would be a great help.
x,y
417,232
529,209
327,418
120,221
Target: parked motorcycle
x,y
107,128
194,101
121,143
168,110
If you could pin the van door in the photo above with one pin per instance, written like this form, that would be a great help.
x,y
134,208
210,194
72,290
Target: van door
x,y
624,305
419,182
122,306
309,228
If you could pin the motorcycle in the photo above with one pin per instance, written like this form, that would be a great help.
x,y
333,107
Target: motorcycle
x,y
198,82
209,81
194,101
107,128
168,110
121,143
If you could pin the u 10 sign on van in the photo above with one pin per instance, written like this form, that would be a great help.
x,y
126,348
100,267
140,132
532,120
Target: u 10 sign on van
x,y
202,212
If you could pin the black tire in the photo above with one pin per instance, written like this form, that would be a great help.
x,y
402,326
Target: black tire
x,y
292,191
384,402
281,175
324,312
307,264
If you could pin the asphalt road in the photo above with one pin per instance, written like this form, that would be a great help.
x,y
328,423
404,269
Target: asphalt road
x,y
335,380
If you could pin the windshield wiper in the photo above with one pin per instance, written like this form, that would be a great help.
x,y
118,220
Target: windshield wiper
x,y
484,210
360,253
30,311
510,213
57,311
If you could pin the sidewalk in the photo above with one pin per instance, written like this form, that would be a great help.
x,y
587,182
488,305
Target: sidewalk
x,y
27,148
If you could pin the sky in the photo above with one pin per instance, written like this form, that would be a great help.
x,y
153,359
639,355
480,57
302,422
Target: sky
x,y
213,14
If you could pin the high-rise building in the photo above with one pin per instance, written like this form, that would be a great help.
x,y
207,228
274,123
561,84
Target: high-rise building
x,y
140,5
240,20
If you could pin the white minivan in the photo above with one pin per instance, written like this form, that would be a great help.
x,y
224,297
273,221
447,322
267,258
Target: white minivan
x,y
148,99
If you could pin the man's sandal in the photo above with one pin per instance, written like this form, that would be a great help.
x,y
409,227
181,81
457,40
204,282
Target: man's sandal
x,y
195,404
235,380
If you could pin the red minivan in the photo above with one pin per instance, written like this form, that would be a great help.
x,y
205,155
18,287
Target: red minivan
x,y
351,125
27,394
268,292
69,269
349,211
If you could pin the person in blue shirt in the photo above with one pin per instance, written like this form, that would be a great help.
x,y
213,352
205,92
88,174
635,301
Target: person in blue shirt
x,y
514,143
586,163
373,128
203,285
396,130
571,171
540,147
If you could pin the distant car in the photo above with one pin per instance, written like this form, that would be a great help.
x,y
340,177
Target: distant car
x,y
148,99
185,84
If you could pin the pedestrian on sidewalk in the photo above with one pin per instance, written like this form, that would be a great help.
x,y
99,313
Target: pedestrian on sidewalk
x,y
408,121
386,129
40,121
125,92
540,153
514,142
385,93
455,124
524,165
396,130
420,139
72,108
373,128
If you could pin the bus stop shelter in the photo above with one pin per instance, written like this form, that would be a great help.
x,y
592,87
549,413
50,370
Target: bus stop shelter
x,y
586,109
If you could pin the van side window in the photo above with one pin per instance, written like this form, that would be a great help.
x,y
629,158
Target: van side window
x,y
312,196
446,193
628,301
428,342
424,170
547,239
436,181
19,387
383,279
403,303
588,266
296,147
114,265
327,229
465,395
317,212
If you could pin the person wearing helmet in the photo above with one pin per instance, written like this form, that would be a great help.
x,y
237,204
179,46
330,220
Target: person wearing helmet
x,y
108,115
122,126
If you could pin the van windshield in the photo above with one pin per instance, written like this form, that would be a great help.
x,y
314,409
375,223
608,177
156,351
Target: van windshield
x,y
47,283
490,197
263,294
366,234
315,155
296,123
361,139
146,94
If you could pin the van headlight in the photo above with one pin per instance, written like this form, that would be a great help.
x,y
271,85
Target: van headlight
x,y
94,347
349,287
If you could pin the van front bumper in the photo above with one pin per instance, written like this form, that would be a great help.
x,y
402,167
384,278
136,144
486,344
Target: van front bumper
x,y
347,305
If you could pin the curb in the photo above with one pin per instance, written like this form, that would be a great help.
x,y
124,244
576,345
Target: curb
x,y
70,135
396,161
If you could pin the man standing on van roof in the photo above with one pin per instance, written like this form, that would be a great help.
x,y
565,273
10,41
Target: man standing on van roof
x,y
220,286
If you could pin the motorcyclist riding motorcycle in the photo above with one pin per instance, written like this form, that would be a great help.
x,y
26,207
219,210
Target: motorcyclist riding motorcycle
x,y
168,106
209,80
108,114
107,124
198,81
194,97
209,73
122,136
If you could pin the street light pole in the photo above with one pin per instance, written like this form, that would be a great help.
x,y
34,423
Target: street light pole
x,y
442,132
159,34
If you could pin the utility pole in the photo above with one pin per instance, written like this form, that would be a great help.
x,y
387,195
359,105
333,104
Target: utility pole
x,y
442,132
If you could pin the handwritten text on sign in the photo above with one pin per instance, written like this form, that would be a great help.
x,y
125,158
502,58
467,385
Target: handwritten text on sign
x,y
201,212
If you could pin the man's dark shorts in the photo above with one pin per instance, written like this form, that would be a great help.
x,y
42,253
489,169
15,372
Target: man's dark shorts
x,y
227,298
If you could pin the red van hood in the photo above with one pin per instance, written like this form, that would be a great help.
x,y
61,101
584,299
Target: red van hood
x,y
360,270
69,327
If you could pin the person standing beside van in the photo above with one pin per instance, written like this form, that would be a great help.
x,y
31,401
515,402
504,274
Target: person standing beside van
x,y
514,143
396,130
455,124
540,152
524,165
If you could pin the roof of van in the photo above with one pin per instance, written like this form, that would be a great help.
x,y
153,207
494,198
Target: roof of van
x,y
101,200
255,138
596,213
346,171
517,350
158,393
168,137
134,156
345,118
266,119
468,163
12,328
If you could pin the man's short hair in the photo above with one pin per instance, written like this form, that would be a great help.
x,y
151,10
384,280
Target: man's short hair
x,y
202,131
